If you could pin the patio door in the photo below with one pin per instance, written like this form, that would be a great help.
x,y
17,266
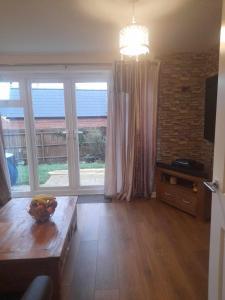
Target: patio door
x,y
50,137
54,128
69,133
90,114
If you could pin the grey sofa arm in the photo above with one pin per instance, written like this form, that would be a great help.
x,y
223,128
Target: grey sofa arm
x,y
41,288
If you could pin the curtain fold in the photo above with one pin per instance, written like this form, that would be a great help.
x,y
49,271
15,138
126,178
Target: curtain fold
x,y
5,193
131,132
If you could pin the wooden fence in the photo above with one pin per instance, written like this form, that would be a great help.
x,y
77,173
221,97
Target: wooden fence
x,y
52,144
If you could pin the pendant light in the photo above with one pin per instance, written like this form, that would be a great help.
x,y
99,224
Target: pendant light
x,y
134,38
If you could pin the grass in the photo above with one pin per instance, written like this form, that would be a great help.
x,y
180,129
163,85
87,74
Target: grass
x,y
94,165
43,169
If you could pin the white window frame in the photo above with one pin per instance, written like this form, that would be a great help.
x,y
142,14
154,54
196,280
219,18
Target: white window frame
x,y
68,75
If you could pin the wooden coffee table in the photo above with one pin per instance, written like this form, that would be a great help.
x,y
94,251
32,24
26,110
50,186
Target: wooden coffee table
x,y
28,249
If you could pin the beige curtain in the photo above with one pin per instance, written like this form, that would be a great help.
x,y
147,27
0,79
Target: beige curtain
x,y
131,133
4,174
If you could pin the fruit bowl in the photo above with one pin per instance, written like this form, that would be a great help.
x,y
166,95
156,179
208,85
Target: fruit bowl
x,y
42,207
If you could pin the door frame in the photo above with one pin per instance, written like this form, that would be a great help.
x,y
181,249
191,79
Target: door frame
x,y
84,78
216,286
68,75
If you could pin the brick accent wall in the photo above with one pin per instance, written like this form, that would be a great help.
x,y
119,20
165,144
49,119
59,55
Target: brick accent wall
x,y
181,107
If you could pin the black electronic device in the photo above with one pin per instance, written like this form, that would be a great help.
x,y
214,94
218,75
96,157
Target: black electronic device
x,y
180,168
210,107
188,164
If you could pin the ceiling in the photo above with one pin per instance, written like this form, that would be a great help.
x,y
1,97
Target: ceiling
x,y
91,27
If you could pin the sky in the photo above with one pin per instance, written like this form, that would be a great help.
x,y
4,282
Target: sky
x,y
6,86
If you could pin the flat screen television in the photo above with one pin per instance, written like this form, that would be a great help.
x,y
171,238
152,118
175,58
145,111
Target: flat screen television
x,y
210,107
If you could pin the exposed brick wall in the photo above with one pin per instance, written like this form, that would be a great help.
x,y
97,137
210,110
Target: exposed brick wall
x,y
181,106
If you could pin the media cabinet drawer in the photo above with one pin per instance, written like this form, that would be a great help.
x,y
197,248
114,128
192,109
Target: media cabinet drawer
x,y
167,195
183,191
187,202
184,201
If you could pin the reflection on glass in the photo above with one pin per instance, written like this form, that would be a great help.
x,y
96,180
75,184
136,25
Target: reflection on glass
x,y
50,129
9,90
91,107
15,147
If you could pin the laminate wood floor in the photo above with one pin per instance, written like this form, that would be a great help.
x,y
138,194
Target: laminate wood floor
x,y
143,250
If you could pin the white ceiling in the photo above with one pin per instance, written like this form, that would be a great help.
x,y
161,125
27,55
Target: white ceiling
x,y
91,26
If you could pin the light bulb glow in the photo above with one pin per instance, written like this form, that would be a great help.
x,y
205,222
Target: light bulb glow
x,y
134,40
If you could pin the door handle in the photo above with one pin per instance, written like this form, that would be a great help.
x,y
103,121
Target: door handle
x,y
66,133
75,134
70,134
212,186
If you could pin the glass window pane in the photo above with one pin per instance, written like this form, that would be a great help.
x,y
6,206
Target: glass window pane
x,y
50,129
91,107
15,147
9,90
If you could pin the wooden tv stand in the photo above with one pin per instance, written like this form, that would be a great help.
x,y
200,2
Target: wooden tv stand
x,y
183,191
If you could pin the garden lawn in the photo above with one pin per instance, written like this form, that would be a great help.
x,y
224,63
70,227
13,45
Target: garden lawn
x,y
43,169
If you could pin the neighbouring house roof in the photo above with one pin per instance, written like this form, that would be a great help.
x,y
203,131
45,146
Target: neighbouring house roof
x,y
48,103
